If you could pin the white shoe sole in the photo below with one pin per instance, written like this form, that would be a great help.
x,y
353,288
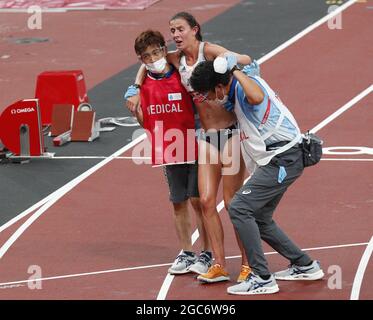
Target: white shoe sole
x,y
174,272
308,277
218,279
265,290
191,269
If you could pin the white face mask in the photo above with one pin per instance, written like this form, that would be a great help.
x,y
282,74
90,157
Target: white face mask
x,y
158,66
221,101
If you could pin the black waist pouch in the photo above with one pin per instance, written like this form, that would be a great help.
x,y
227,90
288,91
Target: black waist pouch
x,y
312,149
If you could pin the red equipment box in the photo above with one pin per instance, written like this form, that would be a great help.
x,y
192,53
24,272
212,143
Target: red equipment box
x,y
59,87
20,128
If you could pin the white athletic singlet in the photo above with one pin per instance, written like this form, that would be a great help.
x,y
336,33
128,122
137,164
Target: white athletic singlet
x,y
186,71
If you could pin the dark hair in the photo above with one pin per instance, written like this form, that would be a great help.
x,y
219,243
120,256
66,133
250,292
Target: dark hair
x,y
148,38
205,79
191,20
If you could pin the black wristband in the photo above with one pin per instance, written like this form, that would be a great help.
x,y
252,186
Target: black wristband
x,y
137,86
235,68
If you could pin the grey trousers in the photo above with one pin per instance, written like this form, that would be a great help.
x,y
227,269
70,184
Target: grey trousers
x,y
252,207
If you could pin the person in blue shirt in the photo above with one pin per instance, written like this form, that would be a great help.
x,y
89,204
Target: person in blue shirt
x,y
270,145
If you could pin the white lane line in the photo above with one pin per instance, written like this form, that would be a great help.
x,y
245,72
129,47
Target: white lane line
x,y
345,159
347,106
83,274
75,275
61,192
314,249
25,213
80,178
305,31
355,292
169,278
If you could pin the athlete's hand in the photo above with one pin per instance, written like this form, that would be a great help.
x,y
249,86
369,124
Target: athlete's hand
x,y
225,62
231,60
252,69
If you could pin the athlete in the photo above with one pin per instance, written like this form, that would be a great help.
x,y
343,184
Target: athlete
x,y
270,141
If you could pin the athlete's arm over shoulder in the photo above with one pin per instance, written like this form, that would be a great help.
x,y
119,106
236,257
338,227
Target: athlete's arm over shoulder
x,y
173,57
211,51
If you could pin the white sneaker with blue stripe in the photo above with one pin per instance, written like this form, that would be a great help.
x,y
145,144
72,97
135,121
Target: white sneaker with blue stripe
x,y
254,285
294,272
182,263
203,263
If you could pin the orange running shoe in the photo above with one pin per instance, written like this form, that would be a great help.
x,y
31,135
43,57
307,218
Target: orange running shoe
x,y
245,271
215,273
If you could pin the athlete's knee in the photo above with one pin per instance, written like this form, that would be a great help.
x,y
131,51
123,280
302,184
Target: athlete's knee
x,y
208,204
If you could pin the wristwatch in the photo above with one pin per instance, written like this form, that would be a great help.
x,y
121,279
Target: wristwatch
x,y
235,68
137,86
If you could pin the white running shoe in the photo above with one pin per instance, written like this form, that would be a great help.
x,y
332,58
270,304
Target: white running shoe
x,y
203,263
294,272
254,285
182,263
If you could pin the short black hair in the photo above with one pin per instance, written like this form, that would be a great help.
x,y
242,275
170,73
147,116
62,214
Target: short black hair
x,y
205,79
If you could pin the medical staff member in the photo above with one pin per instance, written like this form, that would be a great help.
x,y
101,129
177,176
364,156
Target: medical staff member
x,y
270,140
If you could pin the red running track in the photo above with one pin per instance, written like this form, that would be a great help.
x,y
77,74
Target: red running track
x,y
120,217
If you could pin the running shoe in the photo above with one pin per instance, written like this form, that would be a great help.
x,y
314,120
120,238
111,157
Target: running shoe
x,y
203,263
254,285
215,273
245,271
294,272
182,263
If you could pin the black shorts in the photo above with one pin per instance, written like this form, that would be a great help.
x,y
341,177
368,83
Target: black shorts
x,y
182,181
218,138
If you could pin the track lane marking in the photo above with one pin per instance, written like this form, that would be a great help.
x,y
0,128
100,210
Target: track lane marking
x,y
342,109
306,31
345,159
55,196
358,280
169,277
161,265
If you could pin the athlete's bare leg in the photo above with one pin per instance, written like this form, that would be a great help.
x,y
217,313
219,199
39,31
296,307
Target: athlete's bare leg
x,y
209,176
205,241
